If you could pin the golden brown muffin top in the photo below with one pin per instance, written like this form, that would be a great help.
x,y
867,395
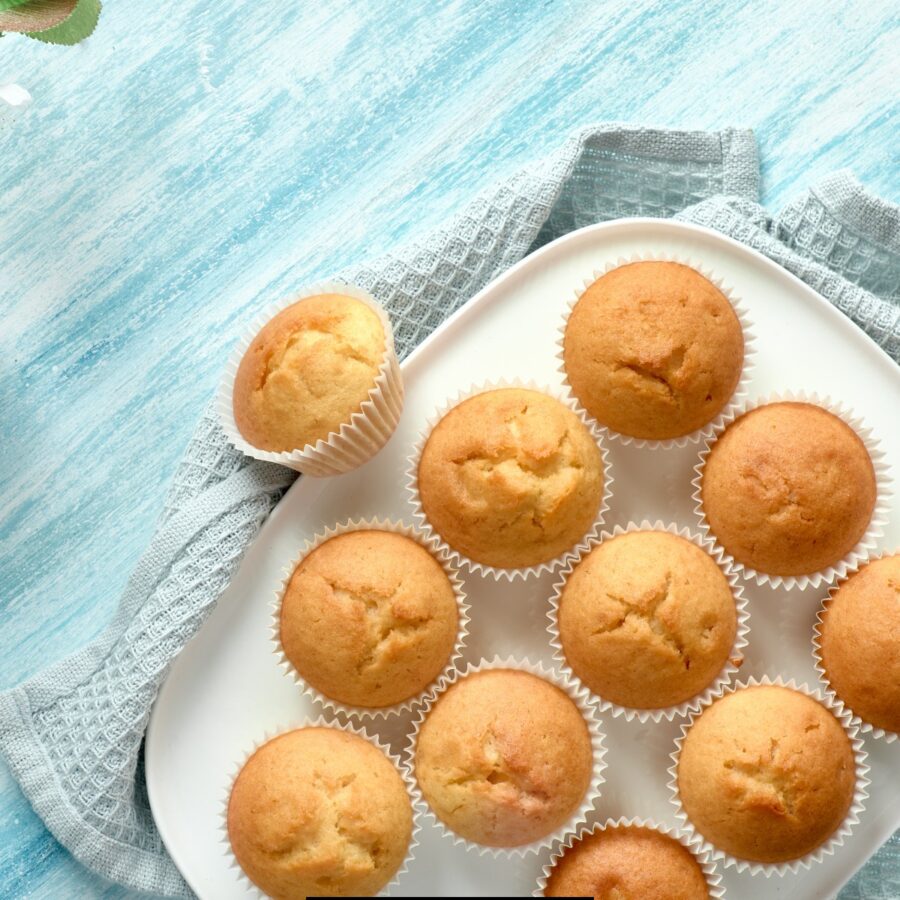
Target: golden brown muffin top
x,y
369,618
504,757
319,812
653,350
788,488
307,372
647,619
766,774
627,862
860,643
511,478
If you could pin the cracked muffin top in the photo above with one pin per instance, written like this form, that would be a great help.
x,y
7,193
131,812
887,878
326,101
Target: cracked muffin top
x,y
511,478
647,619
860,642
369,618
627,862
788,488
319,812
653,350
503,757
766,774
307,372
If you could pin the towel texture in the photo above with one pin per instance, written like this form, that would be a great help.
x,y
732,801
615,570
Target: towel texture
x,y
73,734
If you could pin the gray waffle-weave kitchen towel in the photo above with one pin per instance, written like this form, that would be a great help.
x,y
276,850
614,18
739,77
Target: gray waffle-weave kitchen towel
x,y
73,734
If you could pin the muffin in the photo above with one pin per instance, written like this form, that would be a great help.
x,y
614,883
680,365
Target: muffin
x,y
627,862
307,372
788,489
319,812
859,643
369,618
511,478
653,350
647,619
766,774
503,758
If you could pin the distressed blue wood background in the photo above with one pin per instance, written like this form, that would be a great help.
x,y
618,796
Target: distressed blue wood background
x,y
193,160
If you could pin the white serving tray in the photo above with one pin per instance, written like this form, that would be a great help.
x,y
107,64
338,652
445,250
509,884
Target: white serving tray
x,y
225,688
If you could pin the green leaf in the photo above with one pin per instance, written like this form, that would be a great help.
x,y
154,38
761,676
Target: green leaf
x,y
77,27
9,4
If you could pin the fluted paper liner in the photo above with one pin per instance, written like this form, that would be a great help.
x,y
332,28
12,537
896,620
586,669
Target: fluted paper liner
x,y
741,388
373,524
318,722
880,513
863,726
496,572
835,840
576,692
358,439
737,648
704,859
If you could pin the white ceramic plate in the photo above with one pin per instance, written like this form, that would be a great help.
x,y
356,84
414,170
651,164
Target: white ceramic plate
x,y
225,689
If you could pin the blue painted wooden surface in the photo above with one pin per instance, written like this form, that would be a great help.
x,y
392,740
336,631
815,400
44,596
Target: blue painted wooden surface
x,y
193,160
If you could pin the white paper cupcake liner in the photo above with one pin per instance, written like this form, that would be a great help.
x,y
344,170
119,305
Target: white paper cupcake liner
x,y
318,722
458,559
356,441
704,859
579,695
737,648
741,389
373,524
864,727
880,513
840,834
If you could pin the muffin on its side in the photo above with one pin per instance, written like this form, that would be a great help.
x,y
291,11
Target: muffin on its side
x,y
647,619
653,350
307,372
511,478
788,488
503,757
627,862
860,643
766,773
369,618
319,812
